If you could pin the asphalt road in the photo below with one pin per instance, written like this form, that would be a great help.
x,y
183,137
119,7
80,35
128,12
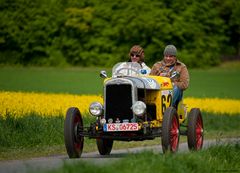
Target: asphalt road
x,y
48,163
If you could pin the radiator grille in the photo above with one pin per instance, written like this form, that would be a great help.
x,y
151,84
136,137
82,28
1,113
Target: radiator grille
x,y
118,102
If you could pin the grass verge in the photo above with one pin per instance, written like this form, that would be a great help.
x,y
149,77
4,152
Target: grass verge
x,y
33,136
214,159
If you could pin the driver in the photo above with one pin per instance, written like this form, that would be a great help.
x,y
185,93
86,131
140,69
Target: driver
x,y
167,66
136,54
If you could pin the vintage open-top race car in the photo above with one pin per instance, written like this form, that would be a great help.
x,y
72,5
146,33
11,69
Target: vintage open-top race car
x,y
135,107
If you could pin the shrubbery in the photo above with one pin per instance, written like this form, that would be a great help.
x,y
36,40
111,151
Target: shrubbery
x,y
100,33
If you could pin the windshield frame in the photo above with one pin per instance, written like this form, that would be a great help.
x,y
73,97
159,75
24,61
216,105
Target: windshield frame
x,y
126,69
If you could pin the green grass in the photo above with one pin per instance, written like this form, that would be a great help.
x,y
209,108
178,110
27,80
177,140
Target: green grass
x,y
43,136
31,131
214,159
219,83
54,80
222,82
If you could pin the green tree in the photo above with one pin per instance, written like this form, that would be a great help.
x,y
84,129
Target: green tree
x,y
100,33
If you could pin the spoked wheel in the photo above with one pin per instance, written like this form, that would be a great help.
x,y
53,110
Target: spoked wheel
x,y
73,142
195,129
104,146
170,130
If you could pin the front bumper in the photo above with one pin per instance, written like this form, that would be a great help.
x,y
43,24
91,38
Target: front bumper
x,y
144,133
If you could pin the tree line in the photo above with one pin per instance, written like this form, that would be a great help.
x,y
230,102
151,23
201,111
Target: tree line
x,y
100,33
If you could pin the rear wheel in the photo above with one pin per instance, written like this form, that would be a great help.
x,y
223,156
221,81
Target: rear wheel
x,y
73,142
104,146
170,130
195,129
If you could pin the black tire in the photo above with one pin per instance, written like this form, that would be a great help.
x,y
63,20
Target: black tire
x,y
104,146
73,142
170,131
195,129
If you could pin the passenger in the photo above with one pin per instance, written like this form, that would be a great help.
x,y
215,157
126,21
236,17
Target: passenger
x,y
136,54
167,66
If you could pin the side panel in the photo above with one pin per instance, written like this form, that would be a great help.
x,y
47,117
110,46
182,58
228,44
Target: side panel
x,y
161,98
153,97
166,100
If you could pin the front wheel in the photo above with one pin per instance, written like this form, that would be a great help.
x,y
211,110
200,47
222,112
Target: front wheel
x,y
195,129
170,130
72,124
104,146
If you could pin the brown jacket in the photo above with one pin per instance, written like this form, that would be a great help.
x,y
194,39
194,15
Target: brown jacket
x,y
160,69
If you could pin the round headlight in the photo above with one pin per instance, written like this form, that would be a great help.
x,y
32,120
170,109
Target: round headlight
x,y
139,108
96,109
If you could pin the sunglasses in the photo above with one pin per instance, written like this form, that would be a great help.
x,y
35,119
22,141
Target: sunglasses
x,y
132,55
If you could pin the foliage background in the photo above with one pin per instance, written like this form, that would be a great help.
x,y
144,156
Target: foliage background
x,y
100,33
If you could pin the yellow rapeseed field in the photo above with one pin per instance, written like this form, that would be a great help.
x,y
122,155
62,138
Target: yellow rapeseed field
x,y
19,104
214,105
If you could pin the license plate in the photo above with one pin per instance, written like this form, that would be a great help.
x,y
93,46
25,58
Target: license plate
x,y
115,127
